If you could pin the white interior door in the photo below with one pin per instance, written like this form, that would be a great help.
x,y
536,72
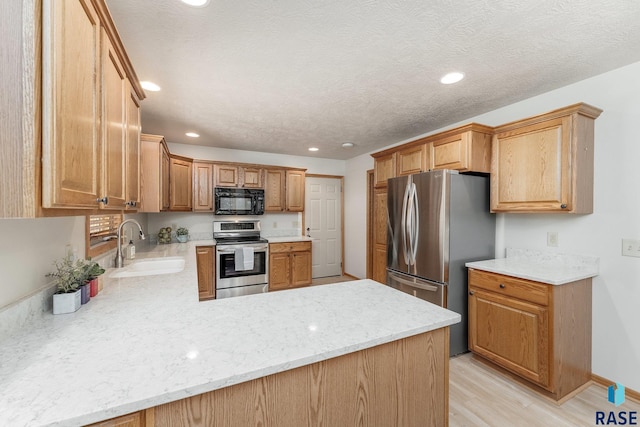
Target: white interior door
x,y
323,224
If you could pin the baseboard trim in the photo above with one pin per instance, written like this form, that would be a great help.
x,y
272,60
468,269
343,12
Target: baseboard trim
x,y
351,276
604,382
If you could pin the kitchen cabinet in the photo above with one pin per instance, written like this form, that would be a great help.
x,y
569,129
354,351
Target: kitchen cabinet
x,y
58,91
545,163
540,332
180,183
202,187
414,159
226,176
132,151
284,190
251,177
466,149
237,175
289,265
136,419
154,174
380,217
384,168
205,261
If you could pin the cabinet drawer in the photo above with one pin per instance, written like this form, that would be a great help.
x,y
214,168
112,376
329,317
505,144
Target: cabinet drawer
x,y
289,247
525,290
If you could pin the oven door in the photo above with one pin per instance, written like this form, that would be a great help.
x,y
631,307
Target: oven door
x,y
227,276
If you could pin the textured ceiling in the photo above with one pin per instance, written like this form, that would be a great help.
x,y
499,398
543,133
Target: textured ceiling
x,y
284,75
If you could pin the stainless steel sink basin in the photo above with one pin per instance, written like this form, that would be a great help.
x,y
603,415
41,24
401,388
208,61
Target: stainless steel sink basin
x,y
150,267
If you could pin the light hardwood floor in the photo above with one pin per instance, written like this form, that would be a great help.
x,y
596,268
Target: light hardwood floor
x,y
481,397
331,279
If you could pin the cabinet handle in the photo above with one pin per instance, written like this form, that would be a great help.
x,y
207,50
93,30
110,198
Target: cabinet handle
x,y
104,200
131,203
501,285
471,293
563,206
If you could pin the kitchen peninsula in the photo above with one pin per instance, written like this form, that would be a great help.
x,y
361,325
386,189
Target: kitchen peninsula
x,y
146,346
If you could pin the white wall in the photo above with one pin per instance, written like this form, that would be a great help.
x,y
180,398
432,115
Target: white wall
x,y
616,291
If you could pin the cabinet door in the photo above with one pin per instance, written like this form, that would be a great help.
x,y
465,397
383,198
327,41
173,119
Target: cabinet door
x,y
226,176
205,261
136,419
133,150
165,175
202,187
251,177
412,160
71,94
383,169
274,190
379,270
115,92
295,191
451,152
180,198
531,169
300,269
511,333
279,271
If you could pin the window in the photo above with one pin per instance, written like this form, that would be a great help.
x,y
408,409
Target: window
x,y
101,233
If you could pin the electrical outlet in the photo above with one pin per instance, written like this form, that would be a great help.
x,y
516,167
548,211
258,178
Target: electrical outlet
x,y
631,247
552,239
275,224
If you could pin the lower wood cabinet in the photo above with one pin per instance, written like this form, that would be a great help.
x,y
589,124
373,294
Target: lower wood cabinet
x,y
206,264
289,265
136,419
537,331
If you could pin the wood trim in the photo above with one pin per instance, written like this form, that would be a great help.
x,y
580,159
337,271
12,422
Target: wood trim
x,y
604,382
370,189
580,108
245,165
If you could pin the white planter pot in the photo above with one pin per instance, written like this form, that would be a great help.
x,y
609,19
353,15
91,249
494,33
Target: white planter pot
x,y
182,238
66,303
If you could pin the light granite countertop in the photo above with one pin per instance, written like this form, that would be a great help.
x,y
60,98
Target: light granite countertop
x,y
284,239
553,268
145,341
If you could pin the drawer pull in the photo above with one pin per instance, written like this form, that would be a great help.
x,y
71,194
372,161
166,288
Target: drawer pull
x,y
501,285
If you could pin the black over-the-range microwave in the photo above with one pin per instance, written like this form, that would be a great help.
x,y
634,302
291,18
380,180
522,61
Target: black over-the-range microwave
x,y
238,201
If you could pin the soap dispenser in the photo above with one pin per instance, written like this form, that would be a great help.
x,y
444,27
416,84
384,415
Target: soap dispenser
x,y
131,250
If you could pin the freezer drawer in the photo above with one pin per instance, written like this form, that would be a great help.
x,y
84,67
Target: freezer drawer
x,y
432,292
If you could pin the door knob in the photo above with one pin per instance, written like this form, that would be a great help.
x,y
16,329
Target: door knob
x,y
308,232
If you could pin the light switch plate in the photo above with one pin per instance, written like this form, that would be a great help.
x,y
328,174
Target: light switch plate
x,y
552,239
631,247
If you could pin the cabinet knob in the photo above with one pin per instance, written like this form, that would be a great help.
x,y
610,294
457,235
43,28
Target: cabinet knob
x,y
104,200
471,293
501,285
563,206
131,203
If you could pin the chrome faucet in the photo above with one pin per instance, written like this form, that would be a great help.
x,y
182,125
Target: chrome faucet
x,y
119,262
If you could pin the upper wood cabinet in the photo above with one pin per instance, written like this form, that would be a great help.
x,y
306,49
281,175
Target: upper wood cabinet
x,y
384,168
237,175
295,190
251,177
226,176
545,163
154,174
132,152
180,198
65,110
466,149
413,159
202,187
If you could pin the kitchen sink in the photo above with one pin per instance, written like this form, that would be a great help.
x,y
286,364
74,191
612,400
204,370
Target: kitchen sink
x,y
150,267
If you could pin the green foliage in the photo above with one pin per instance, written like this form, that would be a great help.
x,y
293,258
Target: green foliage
x,y
69,276
93,270
181,231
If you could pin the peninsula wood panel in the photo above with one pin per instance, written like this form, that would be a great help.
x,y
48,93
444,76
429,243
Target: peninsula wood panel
x,y
71,147
402,383
202,187
275,190
137,419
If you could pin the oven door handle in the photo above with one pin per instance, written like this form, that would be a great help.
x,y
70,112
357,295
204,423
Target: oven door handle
x,y
231,251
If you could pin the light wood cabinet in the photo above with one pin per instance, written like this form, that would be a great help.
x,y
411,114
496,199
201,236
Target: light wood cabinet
x,y
71,140
136,419
251,177
275,196
384,168
206,265
202,187
133,161
295,190
466,149
180,182
289,265
154,174
545,163
414,159
226,176
540,332
380,215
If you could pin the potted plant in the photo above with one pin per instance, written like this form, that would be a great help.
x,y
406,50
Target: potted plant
x,y
94,271
68,277
182,234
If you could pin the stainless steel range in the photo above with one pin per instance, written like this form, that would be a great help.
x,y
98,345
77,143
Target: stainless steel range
x,y
242,258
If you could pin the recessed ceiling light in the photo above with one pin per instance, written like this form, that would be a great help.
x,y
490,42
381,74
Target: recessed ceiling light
x,y
192,135
347,145
150,86
451,78
196,3
313,149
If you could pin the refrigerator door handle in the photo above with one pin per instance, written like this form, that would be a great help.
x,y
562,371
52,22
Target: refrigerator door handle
x,y
405,200
423,286
415,223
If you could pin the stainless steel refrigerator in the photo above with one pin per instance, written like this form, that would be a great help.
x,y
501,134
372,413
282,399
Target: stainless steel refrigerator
x,y
438,221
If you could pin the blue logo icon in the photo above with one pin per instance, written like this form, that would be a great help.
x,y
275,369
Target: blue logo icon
x,y
616,394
